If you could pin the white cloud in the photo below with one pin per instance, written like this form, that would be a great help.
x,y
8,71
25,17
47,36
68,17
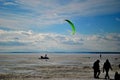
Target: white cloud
x,y
25,40
8,3
72,6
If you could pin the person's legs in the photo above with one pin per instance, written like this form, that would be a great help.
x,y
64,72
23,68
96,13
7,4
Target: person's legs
x,y
95,73
107,75
98,73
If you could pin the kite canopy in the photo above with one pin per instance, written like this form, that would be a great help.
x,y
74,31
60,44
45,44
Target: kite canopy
x,y
72,26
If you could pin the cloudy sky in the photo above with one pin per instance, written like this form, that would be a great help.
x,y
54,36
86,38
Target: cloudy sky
x,y
39,25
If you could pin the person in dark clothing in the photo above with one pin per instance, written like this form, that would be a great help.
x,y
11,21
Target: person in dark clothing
x,y
106,67
96,68
117,76
45,55
100,56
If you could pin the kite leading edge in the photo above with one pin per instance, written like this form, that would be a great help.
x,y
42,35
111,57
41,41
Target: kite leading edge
x,y
72,26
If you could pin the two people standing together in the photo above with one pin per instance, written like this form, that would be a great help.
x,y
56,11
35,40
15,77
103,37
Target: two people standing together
x,y
106,68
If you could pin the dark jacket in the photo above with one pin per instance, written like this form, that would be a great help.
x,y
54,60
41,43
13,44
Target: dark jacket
x,y
96,66
107,66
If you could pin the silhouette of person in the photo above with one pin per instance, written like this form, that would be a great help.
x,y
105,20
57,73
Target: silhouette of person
x,y
100,56
45,55
106,67
117,76
96,68
41,57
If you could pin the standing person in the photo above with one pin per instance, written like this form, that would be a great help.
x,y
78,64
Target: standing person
x,y
106,67
100,56
96,68
117,76
45,55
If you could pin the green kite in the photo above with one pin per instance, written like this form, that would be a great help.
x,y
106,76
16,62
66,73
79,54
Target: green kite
x,y
72,26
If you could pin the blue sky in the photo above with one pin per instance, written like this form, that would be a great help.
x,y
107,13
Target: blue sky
x,y
39,25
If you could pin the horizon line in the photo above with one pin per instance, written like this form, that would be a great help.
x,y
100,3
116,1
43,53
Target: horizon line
x,y
67,52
